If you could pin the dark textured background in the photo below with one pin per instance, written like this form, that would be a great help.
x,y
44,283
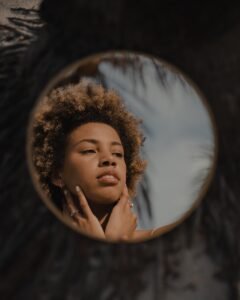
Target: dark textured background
x,y
42,259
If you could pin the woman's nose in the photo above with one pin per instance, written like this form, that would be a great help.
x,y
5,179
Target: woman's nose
x,y
107,160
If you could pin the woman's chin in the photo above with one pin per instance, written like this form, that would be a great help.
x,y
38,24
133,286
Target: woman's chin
x,y
106,197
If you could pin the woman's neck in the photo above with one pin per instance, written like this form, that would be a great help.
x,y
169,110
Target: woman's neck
x,y
102,212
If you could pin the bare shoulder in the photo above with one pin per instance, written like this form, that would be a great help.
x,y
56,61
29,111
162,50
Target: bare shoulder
x,y
147,234
142,234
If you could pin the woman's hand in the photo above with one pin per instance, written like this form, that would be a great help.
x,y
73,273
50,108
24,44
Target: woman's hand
x,y
87,222
122,221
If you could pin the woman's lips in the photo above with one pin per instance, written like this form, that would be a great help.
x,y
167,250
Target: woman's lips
x,y
109,179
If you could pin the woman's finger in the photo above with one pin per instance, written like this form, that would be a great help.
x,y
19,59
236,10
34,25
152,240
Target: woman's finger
x,y
70,206
125,191
122,201
66,213
69,201
83,202
125,196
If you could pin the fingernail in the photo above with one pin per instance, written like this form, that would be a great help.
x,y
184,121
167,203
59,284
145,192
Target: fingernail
x,y
78,188
65,191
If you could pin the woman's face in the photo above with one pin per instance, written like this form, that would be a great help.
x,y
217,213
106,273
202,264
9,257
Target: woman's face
x,y
94,160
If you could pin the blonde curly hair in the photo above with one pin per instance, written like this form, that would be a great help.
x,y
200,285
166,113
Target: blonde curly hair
x,y
73,105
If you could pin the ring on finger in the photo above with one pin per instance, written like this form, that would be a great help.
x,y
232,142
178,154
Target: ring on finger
x,y
73,213
131,204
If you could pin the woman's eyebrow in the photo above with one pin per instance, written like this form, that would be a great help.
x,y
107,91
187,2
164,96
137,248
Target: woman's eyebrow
x,y
94,141
116,143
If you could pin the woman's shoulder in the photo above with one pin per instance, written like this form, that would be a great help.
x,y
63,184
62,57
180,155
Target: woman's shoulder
x,y
142,234
150,233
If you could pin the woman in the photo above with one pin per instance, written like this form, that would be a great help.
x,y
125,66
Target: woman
x,y
86,153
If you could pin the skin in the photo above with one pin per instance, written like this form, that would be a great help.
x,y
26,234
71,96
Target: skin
x,y
121,225
92,150
104,207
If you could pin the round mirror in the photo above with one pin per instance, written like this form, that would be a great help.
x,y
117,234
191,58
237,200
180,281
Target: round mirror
x,y
178,139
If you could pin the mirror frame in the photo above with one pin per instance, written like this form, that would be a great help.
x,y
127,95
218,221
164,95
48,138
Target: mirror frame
x,y
68,71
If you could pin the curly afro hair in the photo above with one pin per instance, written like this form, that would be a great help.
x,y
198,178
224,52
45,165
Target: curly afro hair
x,y
71,106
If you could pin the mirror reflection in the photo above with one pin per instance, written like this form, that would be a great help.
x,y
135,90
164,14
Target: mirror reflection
x,y
122,145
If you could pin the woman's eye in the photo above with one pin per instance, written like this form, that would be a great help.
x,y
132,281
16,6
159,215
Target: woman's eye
x,y
88,151
118,154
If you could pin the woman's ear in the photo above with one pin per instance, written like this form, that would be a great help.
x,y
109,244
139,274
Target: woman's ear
x,y
57,180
